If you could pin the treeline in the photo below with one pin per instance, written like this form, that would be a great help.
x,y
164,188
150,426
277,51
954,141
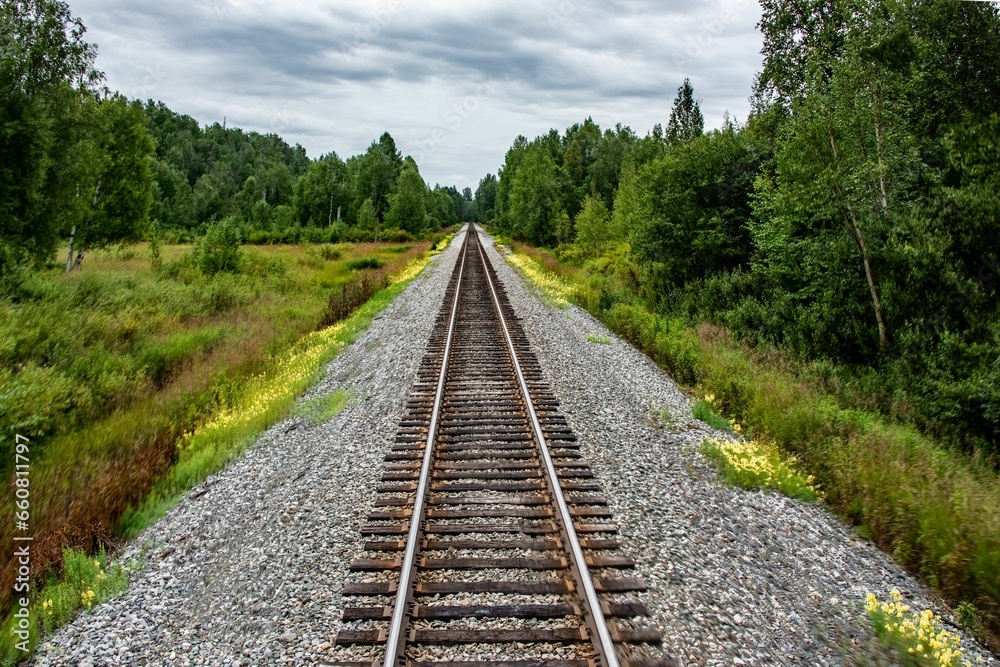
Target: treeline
x,y
82,165
275,193
853,220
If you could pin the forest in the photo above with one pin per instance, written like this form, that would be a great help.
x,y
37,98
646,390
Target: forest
x,y
81,165
853,220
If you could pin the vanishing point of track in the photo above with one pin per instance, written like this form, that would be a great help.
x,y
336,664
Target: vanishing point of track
x,y
490,543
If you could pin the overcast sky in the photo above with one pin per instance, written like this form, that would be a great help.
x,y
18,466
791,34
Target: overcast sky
x,y
453,81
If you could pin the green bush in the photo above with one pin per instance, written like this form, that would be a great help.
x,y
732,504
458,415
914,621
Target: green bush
x,y
396,236
219,250
258,265
365,263
330,253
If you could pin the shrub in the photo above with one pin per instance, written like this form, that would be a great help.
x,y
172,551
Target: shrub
x,y
350,295
396,236
219,250
329,253
365,263
704,411
756,464
259,265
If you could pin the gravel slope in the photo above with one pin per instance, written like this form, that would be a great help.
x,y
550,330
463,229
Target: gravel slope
x,y
248,568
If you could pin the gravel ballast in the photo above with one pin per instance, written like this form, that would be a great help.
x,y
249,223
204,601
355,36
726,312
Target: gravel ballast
x,y
248,569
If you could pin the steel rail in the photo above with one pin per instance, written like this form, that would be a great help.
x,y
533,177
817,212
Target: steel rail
x,y
394,642
603,643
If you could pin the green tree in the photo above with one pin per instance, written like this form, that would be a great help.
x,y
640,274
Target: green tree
x,y
219,250
408,205
611,153
119,192
368,218
626,215
563,227
803,39
686,121
376,176
534,198
323,193
592,225
440,208
486,197
46,69
693,205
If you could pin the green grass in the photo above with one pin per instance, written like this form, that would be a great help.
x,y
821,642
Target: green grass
x,y
120,373
266,400
324,407
600,340
85,581
703,411
935,510
365,263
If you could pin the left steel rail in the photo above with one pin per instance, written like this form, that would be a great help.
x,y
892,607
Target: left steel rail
x,y
395,640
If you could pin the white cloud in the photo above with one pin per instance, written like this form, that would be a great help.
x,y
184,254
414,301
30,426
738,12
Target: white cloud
x,y
332,75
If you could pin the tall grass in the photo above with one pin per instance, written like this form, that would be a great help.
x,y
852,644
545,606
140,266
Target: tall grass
x,y
935,510
159,358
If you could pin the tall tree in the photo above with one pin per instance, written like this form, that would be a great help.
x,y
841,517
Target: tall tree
x,y
803,39
119,192
486,196
592,225
322,193
408,205
686,121
46,69
693,205
377,174
368,218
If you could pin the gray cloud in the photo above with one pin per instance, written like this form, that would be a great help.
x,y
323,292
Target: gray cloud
x,y
334,75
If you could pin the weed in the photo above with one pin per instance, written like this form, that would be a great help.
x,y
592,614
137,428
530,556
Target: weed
x,y
323,407
704,410
86,581
396,250
365,263
969,618
754,464
601,340
344,300
330,253
552,286
665,418
917,638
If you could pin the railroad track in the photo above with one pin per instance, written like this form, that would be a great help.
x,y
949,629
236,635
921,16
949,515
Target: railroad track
x,y
490,542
